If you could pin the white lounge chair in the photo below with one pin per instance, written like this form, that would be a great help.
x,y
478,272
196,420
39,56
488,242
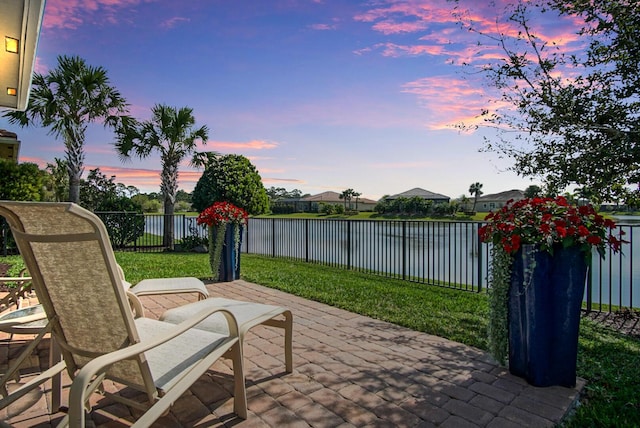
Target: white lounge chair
x,y
248,315
67,252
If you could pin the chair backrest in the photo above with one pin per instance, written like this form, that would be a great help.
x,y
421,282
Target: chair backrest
x,y
68,254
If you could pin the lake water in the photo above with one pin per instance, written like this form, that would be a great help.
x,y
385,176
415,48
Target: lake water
x,y
448,253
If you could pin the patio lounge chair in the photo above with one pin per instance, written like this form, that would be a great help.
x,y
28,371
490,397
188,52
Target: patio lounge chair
x,y
247,314
67,251
155,286
31,320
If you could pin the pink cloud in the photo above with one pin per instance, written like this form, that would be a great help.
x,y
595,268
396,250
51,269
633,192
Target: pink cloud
x,y
438,34
71,14
40,68
246,145
448,100
173,22
394,50
390,27
404,165
282,180
323,27
394,15
148,180
437,23
271,171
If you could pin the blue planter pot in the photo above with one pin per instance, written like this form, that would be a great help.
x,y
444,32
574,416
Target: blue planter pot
x,y
229,268
544,314
230,263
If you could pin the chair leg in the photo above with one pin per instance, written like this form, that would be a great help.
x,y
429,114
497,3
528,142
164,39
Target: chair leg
x,y
287,325
240,391
288,341
55,357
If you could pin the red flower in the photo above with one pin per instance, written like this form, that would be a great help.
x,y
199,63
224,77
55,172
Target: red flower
x,y
583,231
222,213
562,232
547,222
594,240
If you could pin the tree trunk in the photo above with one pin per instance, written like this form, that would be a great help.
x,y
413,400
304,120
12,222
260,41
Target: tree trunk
x,y
169,188
168,232
75,171
75,160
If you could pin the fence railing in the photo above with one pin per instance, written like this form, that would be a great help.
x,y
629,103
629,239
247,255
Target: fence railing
x,y
446,254
438,253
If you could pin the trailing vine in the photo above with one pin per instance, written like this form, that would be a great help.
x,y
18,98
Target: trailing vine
x,y
216,242
218,217
236,243
500,281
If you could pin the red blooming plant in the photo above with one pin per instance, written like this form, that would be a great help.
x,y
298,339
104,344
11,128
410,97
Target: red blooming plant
x,y
222,213
217,217
547,222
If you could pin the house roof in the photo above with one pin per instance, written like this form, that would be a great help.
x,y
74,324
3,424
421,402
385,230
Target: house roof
x,y
514,194
8,134
334,197
422,193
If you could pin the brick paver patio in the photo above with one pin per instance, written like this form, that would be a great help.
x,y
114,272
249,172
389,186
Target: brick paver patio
x,y
349,371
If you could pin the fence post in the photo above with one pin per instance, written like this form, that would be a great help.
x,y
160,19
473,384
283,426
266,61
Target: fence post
x,y
306,240
348,244
273,237
246,236
404,249
476,238
590,284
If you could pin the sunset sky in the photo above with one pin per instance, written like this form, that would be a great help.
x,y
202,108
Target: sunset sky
x,y
319,94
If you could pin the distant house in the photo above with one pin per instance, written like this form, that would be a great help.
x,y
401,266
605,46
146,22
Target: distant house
x,y
363,204
421,193
9,145
496,201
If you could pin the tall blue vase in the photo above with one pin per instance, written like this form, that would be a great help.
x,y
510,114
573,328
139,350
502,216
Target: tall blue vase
x,y
230,261
544,314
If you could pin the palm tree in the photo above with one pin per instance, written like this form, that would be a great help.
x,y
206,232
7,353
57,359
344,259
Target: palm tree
x,y
66,100
171,132
348,195
357,196
475,191
345,195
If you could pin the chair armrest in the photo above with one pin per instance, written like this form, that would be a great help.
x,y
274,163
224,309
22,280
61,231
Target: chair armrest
x,y
23,286
136,305
97,366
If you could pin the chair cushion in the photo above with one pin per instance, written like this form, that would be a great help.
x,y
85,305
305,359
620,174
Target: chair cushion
x,y
168,360
170,285
247,314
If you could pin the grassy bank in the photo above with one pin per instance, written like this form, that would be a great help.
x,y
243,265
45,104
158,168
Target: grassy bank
x,y
609,361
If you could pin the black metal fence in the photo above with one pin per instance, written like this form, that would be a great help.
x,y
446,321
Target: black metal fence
x,y
446,254
439,253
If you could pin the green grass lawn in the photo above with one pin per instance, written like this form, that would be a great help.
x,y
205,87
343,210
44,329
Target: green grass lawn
x,y
609,361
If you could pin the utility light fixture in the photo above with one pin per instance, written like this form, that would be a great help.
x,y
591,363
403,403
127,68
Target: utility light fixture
x,y
20,23
11,44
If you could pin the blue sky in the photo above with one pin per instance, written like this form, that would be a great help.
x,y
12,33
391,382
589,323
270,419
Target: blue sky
x,y
321,95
